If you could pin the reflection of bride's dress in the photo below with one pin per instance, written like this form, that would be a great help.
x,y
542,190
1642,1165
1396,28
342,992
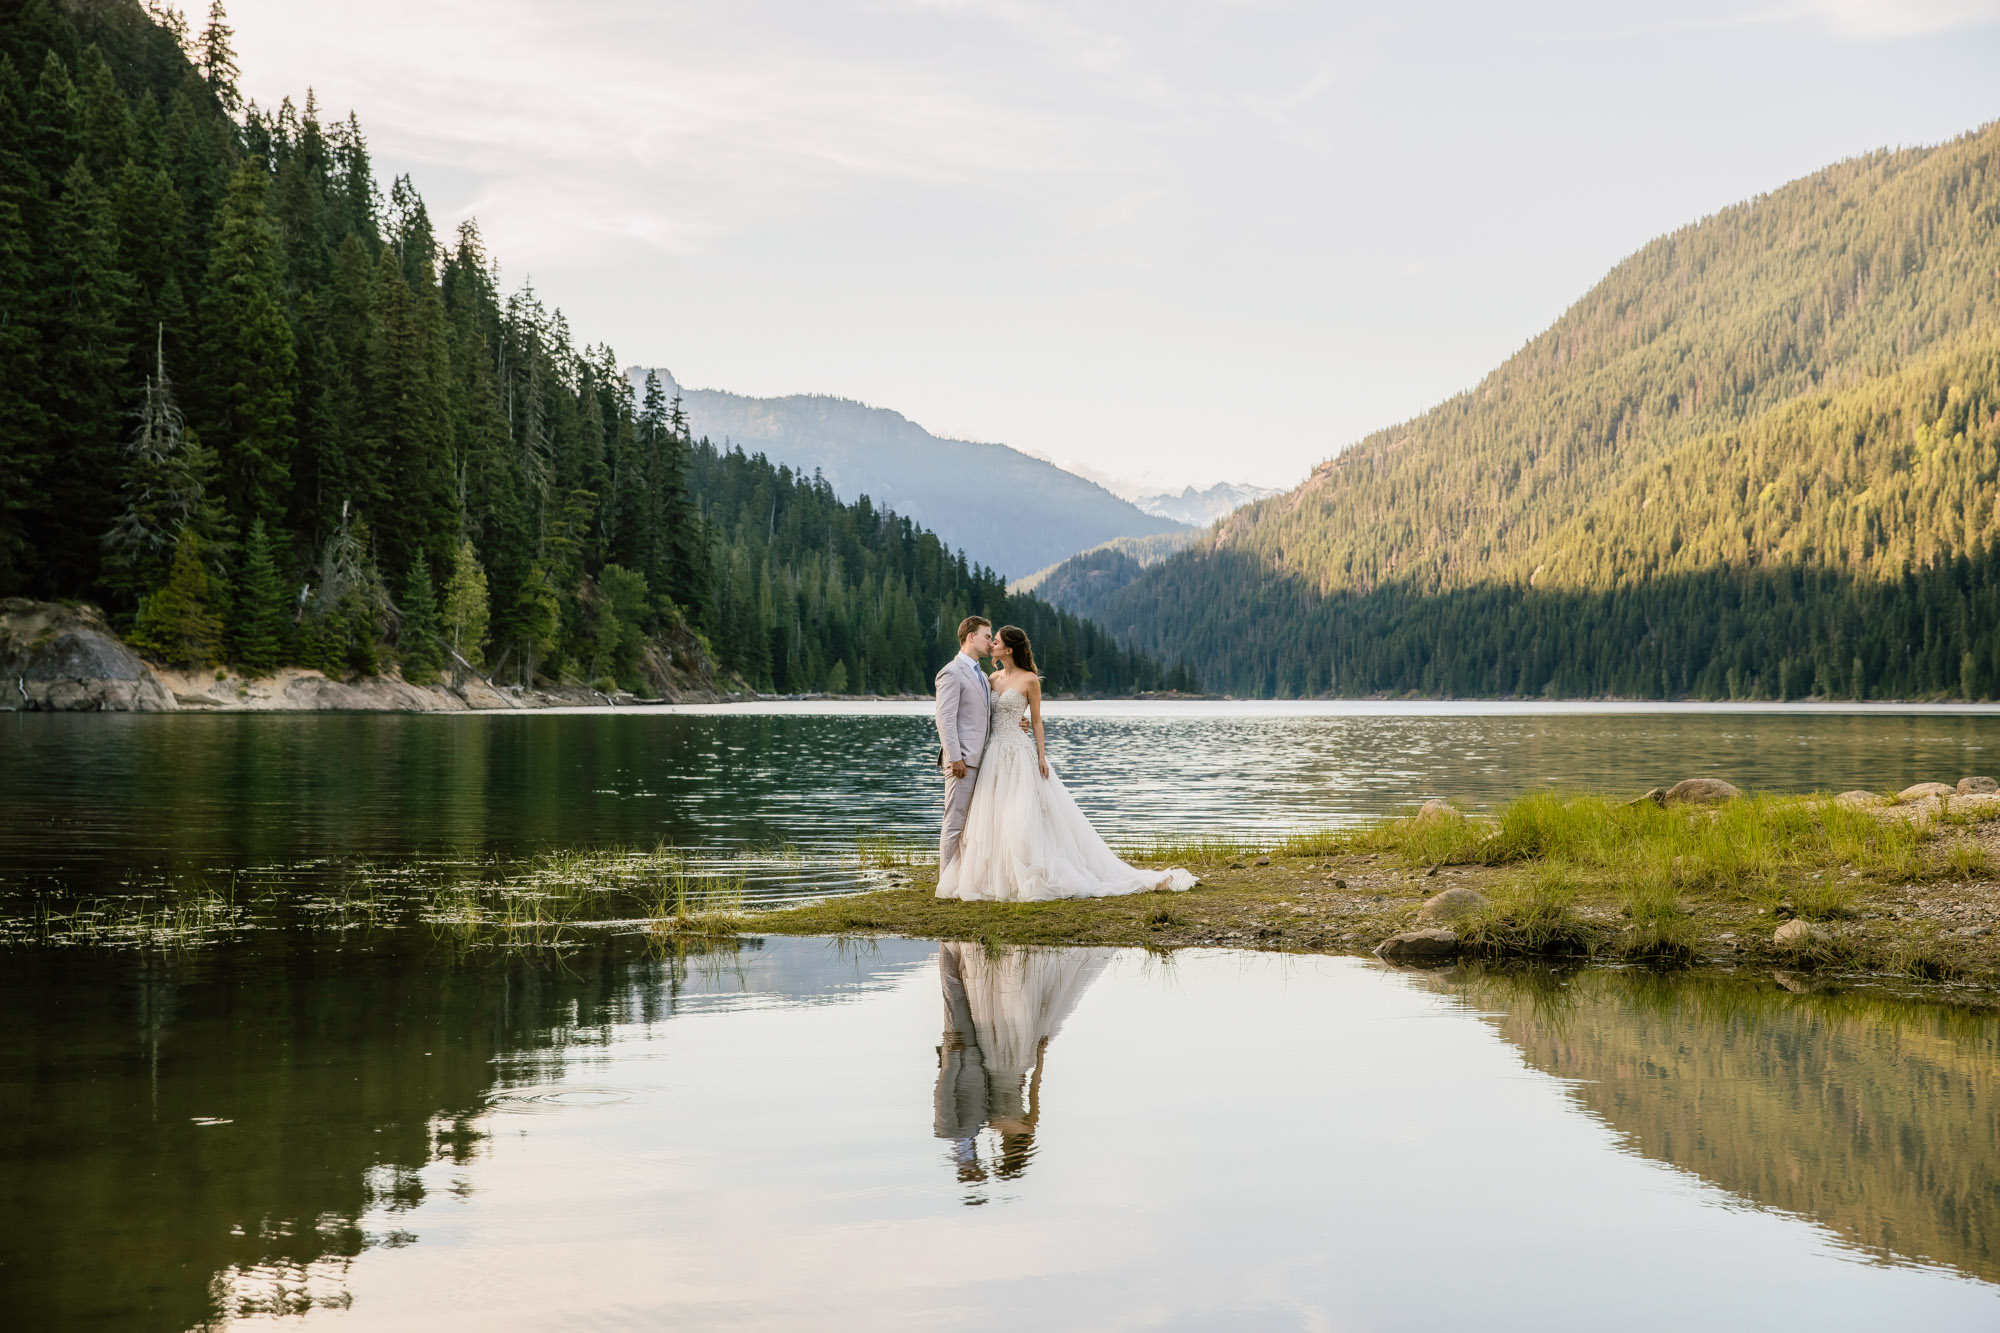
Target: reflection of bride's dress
x,y
1001,1008
1025,840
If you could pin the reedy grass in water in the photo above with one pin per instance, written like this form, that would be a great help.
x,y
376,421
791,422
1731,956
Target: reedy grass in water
x,y
175,917
561,891
1188,849
890,851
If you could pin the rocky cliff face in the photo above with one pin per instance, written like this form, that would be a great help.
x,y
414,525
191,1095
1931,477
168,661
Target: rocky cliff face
x,y
57,658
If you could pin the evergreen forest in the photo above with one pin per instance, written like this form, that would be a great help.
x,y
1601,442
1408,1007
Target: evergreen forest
x,y
264,414
1761,459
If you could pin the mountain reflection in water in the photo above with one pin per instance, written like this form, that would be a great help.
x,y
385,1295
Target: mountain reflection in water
x,y
1002,1007
1875,1116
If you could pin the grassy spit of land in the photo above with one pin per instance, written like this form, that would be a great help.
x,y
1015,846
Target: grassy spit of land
x,y
1878,884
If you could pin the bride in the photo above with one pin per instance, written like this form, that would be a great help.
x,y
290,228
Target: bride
x,y
1025,840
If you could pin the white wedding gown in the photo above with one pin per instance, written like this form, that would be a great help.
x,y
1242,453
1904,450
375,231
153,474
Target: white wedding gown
x,y
1025,840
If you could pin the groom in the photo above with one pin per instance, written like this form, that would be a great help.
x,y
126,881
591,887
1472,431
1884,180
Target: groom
x,y
963,714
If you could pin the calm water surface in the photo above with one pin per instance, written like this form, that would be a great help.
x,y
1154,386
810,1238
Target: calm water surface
x,y
801,1134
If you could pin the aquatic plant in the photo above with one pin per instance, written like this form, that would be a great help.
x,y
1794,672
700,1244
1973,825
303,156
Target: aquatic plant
x,y
170,916
890,851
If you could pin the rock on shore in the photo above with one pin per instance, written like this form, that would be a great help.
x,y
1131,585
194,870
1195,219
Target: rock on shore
x,y
1419,946
56,658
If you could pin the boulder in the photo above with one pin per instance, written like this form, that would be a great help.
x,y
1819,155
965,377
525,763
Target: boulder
x,y
1977,786
1436,809
1451,904
1918,791
1700,791
1796,934
1862,800
1419,946
56,658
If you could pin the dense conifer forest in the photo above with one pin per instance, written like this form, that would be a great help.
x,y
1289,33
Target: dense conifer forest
x,y
266,414
1760,460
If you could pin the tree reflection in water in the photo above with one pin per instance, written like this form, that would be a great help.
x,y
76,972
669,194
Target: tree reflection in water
x,y
1002,1007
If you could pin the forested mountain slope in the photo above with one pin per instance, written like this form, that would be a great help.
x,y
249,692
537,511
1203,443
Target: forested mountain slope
x,y
1768,425
1007,510
262,414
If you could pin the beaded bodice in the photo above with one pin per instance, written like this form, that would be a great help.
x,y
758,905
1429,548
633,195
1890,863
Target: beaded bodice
x,y
1007,710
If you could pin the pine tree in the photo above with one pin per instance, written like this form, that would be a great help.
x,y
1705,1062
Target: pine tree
x,y
23,433
106,119
538,612
215,58
624,602
417,641
465,608
679,519
165,490
250,368
84,350
263,618
177,625
55,117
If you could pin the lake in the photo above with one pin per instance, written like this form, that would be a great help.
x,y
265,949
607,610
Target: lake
x,y
318,1114
813,1134
102,803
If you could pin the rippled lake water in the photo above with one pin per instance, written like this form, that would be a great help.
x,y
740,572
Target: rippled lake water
x,y
101,800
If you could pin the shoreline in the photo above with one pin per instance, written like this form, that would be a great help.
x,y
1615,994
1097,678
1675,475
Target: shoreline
x,y
61,658
1922,910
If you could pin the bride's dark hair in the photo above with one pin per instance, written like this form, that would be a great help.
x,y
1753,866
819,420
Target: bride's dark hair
x,y
1016,640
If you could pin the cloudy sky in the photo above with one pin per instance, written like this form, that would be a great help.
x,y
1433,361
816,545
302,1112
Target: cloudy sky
x,y
1178,240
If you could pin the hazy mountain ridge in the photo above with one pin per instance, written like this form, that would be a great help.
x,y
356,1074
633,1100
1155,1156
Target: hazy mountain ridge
x,y
1576,507
1007,510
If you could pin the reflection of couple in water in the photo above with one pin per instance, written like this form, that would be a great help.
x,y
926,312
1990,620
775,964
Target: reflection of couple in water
x,y
1001,1009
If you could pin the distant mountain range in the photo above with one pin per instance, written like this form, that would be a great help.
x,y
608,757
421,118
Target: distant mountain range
x,y
1760,459
1007,510
1201,508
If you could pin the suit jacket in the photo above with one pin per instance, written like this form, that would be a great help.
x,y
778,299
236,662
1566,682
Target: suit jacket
x,y
963,710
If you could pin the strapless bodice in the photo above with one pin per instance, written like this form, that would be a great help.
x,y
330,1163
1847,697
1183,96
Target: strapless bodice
x,y
1008,706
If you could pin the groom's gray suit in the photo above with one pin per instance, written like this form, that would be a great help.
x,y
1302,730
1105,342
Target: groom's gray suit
x,y
964,713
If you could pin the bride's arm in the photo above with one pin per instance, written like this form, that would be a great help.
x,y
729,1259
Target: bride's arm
x,y
1035,712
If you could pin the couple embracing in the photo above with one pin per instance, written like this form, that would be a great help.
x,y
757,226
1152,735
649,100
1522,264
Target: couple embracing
x,y
1012,832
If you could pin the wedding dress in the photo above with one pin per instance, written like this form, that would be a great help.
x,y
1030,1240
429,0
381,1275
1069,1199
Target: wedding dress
x,y
1002,1007
1025,840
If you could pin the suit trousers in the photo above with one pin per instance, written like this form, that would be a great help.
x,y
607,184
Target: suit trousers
x,y
957,802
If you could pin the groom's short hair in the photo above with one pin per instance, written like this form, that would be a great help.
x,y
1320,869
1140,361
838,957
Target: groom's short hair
x,y
968,626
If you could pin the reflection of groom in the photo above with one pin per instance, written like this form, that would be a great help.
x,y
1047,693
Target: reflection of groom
x,y
963,715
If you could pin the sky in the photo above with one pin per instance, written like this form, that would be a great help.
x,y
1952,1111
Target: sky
x,y
1175,241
